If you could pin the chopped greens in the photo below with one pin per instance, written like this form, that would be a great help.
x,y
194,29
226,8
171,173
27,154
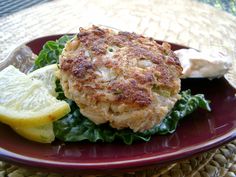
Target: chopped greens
x,y
51,51
75,127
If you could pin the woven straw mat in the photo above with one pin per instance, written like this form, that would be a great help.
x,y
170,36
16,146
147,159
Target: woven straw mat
x,y
184,22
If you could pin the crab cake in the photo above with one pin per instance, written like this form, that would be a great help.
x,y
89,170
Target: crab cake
x,y
122,78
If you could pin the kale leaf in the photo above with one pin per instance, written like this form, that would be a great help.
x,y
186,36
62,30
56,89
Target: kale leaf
x,y
51,51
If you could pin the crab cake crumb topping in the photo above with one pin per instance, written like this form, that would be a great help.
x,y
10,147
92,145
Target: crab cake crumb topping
x,y
125,79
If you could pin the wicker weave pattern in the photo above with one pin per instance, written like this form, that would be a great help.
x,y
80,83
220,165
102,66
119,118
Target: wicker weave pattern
x,y
184,22
220,162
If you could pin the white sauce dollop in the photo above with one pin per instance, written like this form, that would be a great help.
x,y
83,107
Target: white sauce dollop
x,y
210,64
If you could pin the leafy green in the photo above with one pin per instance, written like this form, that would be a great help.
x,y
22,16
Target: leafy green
x,y
185,106
75,127
51,51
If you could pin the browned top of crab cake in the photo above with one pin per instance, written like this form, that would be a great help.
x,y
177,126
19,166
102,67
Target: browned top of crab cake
x,y
122,78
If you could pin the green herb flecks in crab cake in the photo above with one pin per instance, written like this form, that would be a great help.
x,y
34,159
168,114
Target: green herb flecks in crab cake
x,y
116,86
112,74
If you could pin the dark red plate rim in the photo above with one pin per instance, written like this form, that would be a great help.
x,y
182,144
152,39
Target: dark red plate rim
x,y
145,160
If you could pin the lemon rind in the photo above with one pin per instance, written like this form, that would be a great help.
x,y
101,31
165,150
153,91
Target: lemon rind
x,y
29,119
35,134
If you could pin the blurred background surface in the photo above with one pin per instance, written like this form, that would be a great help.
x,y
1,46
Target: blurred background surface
x,y
8,7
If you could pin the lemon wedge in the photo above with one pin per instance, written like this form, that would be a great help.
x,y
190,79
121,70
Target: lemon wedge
x,y
47,75
41,134
25,102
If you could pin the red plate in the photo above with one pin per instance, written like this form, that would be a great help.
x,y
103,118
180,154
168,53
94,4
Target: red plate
x,y
200,132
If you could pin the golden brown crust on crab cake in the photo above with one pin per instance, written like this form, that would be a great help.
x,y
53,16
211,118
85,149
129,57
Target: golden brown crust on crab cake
x,y
122,78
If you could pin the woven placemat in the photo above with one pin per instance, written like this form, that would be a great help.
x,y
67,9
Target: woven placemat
x,y
219,162
186,22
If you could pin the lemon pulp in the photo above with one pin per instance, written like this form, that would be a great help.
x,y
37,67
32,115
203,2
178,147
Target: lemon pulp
x,y
27,105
